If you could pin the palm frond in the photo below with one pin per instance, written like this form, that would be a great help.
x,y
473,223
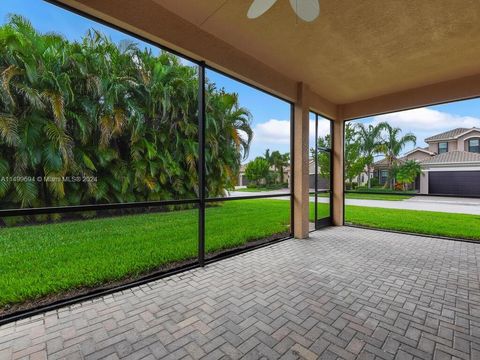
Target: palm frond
x,y
9,129
57,105
7,76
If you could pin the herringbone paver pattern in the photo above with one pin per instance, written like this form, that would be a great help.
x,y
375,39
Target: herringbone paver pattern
x,y
345,293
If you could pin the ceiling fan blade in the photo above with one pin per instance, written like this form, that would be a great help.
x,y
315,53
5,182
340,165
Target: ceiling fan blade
x,y
307,10
259,7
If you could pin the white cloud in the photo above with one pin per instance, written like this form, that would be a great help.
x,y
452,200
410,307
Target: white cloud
x,y
277,132
424,119
323,129
272,132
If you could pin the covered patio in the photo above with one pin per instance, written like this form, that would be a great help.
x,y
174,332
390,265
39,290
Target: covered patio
x,y
310,287
344,293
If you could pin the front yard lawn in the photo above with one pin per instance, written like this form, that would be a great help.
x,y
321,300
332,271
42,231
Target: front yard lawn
x,y
377,197
424,222
46,259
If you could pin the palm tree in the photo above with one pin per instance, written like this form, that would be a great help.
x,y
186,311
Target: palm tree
x,y
283,162
370,142
109,111
267,156
392,145
279,161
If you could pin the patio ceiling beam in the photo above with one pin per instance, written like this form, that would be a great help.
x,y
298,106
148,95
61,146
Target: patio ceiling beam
x,y
151,21
447,91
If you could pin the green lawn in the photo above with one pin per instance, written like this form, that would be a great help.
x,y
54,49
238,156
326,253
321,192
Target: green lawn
x,y
377,197
46,259
423,222
383,190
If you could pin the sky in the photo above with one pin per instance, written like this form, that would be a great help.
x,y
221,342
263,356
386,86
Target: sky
x,y
270,116
428,121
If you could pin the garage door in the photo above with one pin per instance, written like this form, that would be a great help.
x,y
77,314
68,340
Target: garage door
x,y
466,183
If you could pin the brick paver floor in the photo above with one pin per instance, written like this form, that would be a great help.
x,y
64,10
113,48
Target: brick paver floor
x,y
345,293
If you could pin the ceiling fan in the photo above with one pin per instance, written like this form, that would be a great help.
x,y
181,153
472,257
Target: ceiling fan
x,y
307,10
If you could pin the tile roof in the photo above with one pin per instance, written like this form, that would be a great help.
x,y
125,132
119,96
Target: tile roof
x,y
452,157
450,134
381,162
384,161
418,149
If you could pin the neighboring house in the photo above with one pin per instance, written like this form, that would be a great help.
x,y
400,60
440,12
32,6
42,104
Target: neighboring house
x,y
362,179
455,167
242,178
381,168
322,183
450,163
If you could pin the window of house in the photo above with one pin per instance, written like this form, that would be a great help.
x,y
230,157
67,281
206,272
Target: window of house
x,y
383,176
474,145
442,147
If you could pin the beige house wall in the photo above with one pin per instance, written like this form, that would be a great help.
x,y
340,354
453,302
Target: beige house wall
x,y
433,146
460,144
424,182
452,145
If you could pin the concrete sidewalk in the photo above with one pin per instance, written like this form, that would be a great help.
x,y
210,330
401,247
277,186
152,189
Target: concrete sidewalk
x,y
258,193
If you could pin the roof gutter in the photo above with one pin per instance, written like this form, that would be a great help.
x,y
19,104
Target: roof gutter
x,y
451,163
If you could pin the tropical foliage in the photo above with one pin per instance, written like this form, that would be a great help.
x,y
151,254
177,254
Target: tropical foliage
x,y
257,170
323,156
369,144
362,143
354,161
392,145
278,162
98,122
408,172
